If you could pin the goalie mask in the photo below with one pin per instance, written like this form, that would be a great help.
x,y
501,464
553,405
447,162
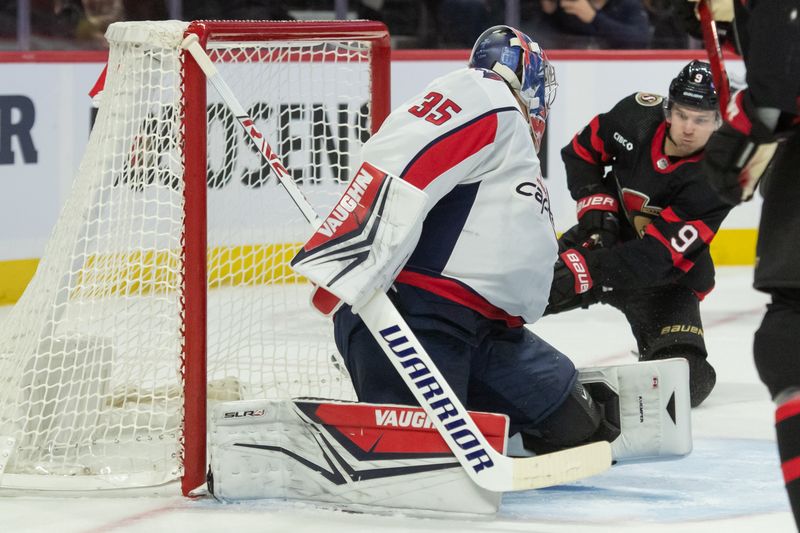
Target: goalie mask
x,y
524,67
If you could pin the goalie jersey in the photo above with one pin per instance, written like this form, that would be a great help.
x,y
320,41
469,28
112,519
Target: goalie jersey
x,y
487,241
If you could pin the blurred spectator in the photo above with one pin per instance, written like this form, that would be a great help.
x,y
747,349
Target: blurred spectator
x,y
433,23
666,33
591,24
462,21
235,10
52,24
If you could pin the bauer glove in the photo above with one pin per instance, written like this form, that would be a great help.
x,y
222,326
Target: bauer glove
x,y
572,282
738,153
598,225
687,18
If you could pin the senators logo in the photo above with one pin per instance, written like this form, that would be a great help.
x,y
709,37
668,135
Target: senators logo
x,y
640,212
648,99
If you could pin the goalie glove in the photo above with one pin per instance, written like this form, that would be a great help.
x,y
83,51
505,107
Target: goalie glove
x,y
598,225
737,154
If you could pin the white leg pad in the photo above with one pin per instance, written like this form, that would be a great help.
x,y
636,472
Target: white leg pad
x,y
352,455
654,408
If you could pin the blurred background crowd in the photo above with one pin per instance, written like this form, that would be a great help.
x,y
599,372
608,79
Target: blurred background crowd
x,y
556,24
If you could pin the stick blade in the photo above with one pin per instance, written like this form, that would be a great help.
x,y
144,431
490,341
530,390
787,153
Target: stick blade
x,y
562,467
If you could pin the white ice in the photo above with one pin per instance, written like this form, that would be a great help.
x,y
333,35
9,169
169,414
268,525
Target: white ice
x,y
730,483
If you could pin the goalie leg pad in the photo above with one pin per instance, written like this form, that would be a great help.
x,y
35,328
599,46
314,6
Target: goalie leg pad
x,y
353,455
654,408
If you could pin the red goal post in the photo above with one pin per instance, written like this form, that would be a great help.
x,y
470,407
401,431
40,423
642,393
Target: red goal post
x,y
377,36
165,283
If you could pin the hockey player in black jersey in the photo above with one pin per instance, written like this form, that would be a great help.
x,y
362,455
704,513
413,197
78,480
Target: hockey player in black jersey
x,y
641,242
760,139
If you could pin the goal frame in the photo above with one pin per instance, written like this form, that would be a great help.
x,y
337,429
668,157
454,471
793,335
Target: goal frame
x,y
194,239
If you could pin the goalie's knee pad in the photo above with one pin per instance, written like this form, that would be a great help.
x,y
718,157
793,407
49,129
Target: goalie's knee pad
x,y
576,421
774,345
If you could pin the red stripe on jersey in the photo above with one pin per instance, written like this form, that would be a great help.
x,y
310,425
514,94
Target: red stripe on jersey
x,y
450,150
701,295
738,118
454,291
706,233
582,152
787,410
597,142
678,260
791,470
661,161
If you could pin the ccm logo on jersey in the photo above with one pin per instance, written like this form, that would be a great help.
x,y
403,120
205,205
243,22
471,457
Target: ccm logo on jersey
x,y
403,419
623,141
430,389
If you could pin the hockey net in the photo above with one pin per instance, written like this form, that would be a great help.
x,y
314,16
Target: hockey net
x,y
163,282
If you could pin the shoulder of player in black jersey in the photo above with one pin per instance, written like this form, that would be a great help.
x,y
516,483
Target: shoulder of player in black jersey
x,y
648,99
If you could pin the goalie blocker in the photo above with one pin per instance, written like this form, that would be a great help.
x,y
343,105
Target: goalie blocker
x,y
366,238
357,455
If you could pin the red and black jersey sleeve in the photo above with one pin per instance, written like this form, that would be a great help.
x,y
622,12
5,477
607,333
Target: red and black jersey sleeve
x,y
592,149
674,247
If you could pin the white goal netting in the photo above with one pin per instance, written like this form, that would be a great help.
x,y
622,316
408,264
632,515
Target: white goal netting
x,y
91,357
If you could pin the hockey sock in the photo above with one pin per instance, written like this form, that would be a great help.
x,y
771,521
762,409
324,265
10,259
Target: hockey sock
x,y
787,426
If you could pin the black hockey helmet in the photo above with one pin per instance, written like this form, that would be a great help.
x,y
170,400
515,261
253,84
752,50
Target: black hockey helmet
x,y
694,87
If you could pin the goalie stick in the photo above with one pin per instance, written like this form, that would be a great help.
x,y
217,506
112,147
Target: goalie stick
x,y
484,465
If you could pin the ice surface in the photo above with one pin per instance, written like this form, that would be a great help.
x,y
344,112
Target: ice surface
x,y
730,483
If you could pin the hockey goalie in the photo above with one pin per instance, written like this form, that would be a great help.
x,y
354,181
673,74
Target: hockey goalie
x,y
450,218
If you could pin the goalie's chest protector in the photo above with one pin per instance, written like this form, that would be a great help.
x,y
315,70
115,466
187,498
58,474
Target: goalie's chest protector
x,y
488,240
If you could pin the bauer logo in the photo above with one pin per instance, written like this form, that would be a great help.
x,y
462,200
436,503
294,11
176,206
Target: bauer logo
x,y
575,262
599,202
245,414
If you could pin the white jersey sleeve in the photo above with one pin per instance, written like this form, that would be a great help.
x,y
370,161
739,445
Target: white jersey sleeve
x,y
488,240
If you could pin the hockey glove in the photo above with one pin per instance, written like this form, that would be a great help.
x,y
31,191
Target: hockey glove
x,y
687,18
571,282
598,225
738,153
